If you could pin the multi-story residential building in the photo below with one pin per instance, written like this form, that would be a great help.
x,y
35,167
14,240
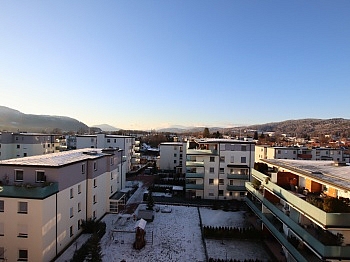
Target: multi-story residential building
x,y
300,153
219,168
126,143
172,157
43,199
13,145
295,202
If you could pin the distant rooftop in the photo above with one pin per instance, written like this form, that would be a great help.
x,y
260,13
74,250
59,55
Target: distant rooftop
x,y
55,159
223,140
322,170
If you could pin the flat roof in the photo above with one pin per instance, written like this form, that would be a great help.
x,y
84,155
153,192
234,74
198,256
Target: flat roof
x,y
326,171
223,140
56,159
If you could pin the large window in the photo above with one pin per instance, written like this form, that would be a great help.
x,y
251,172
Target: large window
x,y
18,175
221,181
212,159
2,205
40,176
222,170
243,159
211,169
222,159
22,231
23,207
211,181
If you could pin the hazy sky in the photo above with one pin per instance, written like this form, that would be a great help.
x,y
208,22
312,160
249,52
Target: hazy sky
x,y
150,64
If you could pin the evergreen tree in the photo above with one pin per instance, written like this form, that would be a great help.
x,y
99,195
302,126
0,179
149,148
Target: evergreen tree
x,y
206,132
150,201
95,251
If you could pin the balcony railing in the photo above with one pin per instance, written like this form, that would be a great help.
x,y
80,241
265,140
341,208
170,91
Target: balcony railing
x,y
314,243
235,188
194,175
194,163
29,191
237,176
195,186
323,218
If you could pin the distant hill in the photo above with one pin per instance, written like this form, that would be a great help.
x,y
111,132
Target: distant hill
x,y
14,120
107,128
300,127
311,126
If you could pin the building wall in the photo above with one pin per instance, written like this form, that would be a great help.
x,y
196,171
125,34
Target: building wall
x,y
172,155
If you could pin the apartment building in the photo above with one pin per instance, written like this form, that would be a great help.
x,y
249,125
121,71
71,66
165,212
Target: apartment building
x,y
219,168
300,153
126,143
295,203
172,157
43,199
14,145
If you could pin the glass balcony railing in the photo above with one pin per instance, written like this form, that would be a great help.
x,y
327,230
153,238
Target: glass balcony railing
x,y
194,175
325,219
195,186
237,176
29,191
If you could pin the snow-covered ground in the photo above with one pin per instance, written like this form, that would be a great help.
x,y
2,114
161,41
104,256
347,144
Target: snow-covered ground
x,y
174,236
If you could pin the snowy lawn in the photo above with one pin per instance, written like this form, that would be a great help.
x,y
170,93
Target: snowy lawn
x,y
227,249
176,237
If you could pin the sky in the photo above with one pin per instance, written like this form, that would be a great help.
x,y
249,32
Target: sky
x,y
153,64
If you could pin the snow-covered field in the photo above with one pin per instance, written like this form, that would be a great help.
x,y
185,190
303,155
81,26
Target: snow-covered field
x,y
174,236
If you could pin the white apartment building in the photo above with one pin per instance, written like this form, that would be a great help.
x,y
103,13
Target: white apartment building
x,y
219,168
126,143
14,145
300,153
172,156
43,199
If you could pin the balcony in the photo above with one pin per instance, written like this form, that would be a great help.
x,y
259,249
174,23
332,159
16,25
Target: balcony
x,y
195,186
235,188
194,175
29,191
237,176
327,220
331,252
194,163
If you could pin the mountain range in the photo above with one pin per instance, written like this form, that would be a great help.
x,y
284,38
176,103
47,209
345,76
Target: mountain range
x,y
13,120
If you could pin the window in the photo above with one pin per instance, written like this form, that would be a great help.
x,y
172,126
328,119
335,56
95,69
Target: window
x,y
71,212
71,193
83,168
79,207
115,140
174,161
2,229
221,181
22,255
18,146
40,176
22,231
211,169
18,175
111,175
222,159
79,224
211,181
94,214
79,189
212,159
71,231
221,192
112,161
222,170
23,207
95,165
94,199
232,159
175,155
111,189
243,148
2,205
2,253
95,183
108,140
243,159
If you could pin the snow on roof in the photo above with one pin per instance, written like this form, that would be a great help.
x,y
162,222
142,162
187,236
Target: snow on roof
x,y
141,223
55,159
318,169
